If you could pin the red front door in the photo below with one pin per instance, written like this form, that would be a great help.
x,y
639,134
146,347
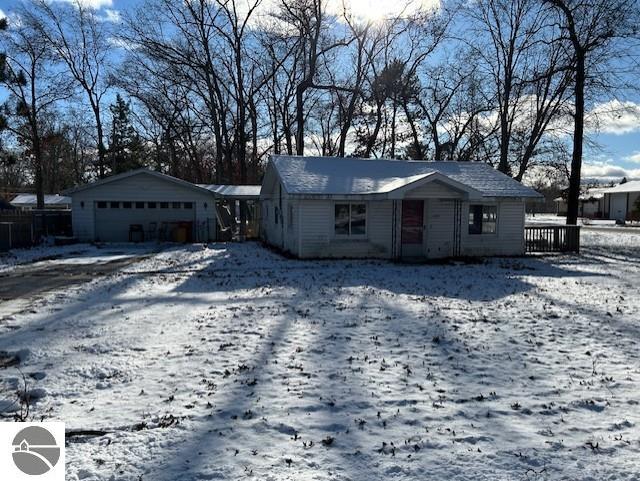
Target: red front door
x,y
412,222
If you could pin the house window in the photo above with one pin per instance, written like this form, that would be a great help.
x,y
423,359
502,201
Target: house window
x,y
115,205
175,205
275,215
188,205
102,205
350,220
139,205
164,205
126,205
151,205
483,219
290,219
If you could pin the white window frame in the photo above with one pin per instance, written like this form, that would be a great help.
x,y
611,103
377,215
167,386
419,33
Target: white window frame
x,y
350,235
484,234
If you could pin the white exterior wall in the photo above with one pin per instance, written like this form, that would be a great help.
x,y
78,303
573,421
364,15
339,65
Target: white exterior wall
x,y
621,204
433,190
272,217
317,231
439,229
137,188
509,238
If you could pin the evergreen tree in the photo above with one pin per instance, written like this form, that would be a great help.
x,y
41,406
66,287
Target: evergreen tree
x,y
126,150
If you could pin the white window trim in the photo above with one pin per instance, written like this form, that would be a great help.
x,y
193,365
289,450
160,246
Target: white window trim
x,y
350,236
485,234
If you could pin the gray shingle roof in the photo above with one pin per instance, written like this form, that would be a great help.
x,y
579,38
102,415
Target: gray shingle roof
x,y
344,176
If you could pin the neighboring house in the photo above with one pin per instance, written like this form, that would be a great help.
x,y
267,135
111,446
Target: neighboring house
x,y
146,205
314,207
51,202
621,201
591,206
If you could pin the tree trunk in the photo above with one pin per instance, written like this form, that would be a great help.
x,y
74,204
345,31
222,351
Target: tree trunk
x,y
376,130
503,166
101,149
300,118
578,137
38,177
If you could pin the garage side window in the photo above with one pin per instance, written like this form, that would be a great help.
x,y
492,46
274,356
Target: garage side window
x,y
350,220
483,219
102,205
126,205
188,205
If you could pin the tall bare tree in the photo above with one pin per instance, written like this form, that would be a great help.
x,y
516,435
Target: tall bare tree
x,y
593,30
34,87
78,38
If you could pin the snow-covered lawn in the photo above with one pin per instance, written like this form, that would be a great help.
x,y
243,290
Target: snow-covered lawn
x,y
231,362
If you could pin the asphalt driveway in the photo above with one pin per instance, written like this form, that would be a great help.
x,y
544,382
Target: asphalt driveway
x,y
26,281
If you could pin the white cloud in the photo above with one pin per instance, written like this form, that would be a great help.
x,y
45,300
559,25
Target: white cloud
x,y
2,14
111,15
614,117
604,172
635,158
366,10
95,4
380,9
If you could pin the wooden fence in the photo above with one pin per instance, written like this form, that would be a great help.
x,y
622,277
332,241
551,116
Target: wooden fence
x,y
28,228
552,238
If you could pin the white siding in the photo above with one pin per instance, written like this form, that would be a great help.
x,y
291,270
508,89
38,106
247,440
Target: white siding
x,y
507,241
621,204
138,188
433,190
440,228
618,206
317,231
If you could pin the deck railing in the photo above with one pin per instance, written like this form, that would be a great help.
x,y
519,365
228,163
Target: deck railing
x,y
552,238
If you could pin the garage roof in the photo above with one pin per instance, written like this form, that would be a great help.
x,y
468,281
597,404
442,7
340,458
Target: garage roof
x,y
131,173
352,176
633,186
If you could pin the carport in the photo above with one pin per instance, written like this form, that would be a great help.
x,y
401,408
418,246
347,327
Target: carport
x,y
237,206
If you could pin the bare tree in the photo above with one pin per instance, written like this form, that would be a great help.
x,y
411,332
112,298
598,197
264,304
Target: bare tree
x,y
527,70
79,40
593,30
34,88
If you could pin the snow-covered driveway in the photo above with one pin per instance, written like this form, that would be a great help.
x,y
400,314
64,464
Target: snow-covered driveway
x,y
231,362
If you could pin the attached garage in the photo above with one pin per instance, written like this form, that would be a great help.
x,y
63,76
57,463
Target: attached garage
x,y
143,205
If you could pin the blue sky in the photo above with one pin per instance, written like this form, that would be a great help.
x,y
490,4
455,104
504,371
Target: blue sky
x,y
617,137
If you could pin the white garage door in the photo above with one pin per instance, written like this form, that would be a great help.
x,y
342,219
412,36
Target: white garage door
x,y
114,219
618,206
